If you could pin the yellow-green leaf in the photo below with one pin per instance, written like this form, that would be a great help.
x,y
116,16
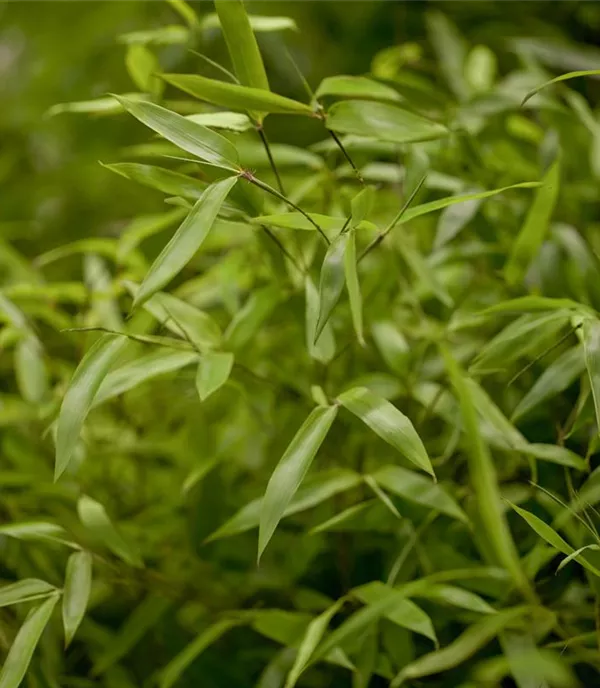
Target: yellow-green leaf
x,y
213,372
353,286
332,281
343,86
591,347
78,583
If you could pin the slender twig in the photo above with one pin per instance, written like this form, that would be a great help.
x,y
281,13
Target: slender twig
x,y
378,239
216,65
248,176
345,153
265,141
307,88
284,250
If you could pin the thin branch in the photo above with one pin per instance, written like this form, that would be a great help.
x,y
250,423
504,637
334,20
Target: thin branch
x,y
217,66
345,153
265,141
284,250
248,176
378,239
307,88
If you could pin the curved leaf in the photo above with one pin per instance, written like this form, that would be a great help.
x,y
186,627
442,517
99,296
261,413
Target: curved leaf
x,y
78,583
213,372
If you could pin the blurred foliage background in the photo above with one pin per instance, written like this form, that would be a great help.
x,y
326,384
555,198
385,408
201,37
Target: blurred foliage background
x,y
53,188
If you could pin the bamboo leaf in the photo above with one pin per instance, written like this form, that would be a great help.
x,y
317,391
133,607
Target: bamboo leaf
x,y
186,240
247,321
575,554
557,79
213,372
94,517
342,86
160,178
530,238
381,121
25,591
21,651
291,470
361,205
332,281
80,394
235,96
30,369
353,286
191,137
591,347
259,23
322,348
387,422
78,583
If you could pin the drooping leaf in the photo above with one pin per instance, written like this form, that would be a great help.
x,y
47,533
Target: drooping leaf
x,y
143,66
418,489
186,240
529,240
361,205
291,470
323,348
94,517
343,86
25,591
160,178
259,23
555,379
21,651
213,371
78,582
332,281
191,137
557,79
387,422
312,637
232,121
235,96
80,394
591,347
172,673
382,121
451,52
251,316
353,286
30,369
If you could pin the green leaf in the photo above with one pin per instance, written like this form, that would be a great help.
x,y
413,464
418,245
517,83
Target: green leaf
x,y
323,348
575,554
25,591
382,121
534,229
21,651
236,97
557,377
453,219
35,530
143,66
298,221
78,583
332,281
99,106
94,517
425,274
353,286
193,138
523,337
396,607
137,624
259,23
140,370
361,205
292,469
562,77
80,394
342,518
160,178
247,321
186,240
591,347
548,534
387,422
172,673
343,86
213,372
450,50
30,369
233,121
316,489
465,646
483,478
145,226
312,637
451,595
416,488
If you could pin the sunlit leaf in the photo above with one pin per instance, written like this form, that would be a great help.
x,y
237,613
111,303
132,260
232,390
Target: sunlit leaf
x,y
356,87
213,371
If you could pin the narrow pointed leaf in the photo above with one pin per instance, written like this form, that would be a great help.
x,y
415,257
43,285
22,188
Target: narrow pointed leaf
x,y
332,280
236,97
78,583
343,86
24,591
387,422
591,347
353,286
213,372
94,517
576,554
80,395
483,478
534,304
342,519
30,370
186,240
456,597
232,121
291,469
322,348
534,229
21,651
253,314
361,205
556,80
258,22
172,673
191,137
414,487
160,178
